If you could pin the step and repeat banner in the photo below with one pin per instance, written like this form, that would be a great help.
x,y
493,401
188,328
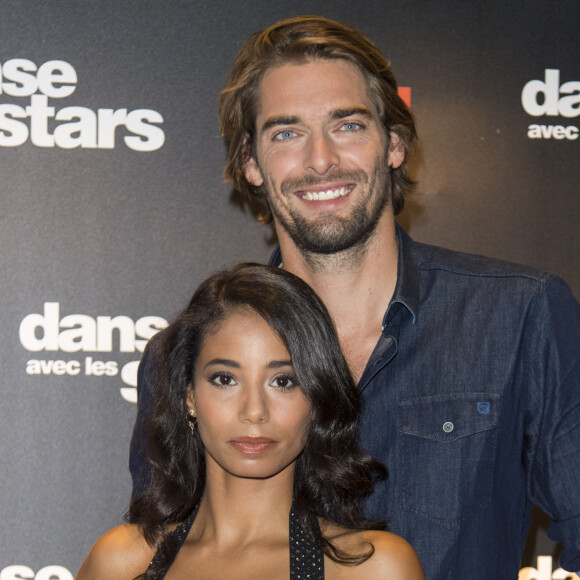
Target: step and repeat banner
x,y
113,208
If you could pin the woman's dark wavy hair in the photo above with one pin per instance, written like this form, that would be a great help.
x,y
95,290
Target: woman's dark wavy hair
x,y
299,40
333,475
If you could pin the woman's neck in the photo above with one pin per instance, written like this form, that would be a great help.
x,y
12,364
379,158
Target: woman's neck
x,y
236,510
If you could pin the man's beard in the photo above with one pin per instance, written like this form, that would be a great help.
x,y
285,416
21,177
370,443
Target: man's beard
x,y
328,233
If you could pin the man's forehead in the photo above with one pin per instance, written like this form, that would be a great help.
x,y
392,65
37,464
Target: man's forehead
x,y
322,87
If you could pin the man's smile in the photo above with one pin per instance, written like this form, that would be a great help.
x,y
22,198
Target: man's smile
x,y
331,193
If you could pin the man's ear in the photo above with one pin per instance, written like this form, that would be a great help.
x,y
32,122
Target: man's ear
x,y
252,172
251,169
396,154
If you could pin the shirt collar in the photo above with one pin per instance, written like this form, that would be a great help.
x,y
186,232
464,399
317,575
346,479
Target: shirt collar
x,y
275,260
407,287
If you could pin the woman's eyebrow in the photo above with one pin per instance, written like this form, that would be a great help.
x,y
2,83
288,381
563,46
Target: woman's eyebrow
x,y
277,364
223,362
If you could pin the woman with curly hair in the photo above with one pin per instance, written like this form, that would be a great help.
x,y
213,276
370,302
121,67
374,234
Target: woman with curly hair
x,y
252,442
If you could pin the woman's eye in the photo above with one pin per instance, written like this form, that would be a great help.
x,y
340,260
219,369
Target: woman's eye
x,y
284,135
222,380
284,382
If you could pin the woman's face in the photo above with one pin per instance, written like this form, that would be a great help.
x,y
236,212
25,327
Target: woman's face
x,y
252,416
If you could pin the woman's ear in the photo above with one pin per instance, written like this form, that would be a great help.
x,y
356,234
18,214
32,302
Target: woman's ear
x,y
190,400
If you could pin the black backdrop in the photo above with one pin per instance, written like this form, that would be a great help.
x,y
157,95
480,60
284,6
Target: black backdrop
x,y
113,207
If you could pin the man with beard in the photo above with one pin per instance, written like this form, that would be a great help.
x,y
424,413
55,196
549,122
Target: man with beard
x,y
468,367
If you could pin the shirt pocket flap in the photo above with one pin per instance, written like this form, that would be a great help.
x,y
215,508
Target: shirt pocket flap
x,y
449,417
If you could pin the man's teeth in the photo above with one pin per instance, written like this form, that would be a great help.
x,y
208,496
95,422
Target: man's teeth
x,y
323,195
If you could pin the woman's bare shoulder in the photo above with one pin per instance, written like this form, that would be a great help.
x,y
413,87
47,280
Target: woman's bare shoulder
x,y
121,553
393,557
394,554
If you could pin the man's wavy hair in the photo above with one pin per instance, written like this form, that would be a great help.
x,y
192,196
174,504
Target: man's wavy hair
x,y
300,40
332,476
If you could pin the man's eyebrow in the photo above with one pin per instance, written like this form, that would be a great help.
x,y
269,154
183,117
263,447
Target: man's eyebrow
x,y
343,113
281,120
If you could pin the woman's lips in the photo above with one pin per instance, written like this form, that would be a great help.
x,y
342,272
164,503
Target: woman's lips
x,y
252,445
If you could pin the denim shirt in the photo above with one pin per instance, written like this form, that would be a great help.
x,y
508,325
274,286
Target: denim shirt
x,y
472,400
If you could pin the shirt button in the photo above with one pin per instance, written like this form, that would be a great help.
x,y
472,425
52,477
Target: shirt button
x,y
448,427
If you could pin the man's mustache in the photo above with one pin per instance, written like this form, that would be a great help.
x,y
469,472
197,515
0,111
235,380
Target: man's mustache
x,y
291,184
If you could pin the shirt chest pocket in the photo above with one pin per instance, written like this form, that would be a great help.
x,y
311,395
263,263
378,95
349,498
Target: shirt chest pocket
x,y
447,460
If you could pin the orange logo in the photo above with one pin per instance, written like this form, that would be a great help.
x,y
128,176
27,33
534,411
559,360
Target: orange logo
x,y
405,94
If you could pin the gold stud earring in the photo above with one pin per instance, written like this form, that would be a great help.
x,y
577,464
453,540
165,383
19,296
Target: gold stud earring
x,y
192,420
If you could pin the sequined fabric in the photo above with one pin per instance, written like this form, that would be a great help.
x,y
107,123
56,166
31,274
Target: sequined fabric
x,y
306,558
165,556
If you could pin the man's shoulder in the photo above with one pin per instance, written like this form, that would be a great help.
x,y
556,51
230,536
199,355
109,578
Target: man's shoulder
x,y
149,359
431,257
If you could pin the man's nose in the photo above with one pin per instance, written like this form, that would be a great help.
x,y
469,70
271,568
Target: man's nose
x,y
321,154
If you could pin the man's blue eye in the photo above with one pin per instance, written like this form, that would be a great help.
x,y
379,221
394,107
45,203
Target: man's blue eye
x,y
350,127
285,135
